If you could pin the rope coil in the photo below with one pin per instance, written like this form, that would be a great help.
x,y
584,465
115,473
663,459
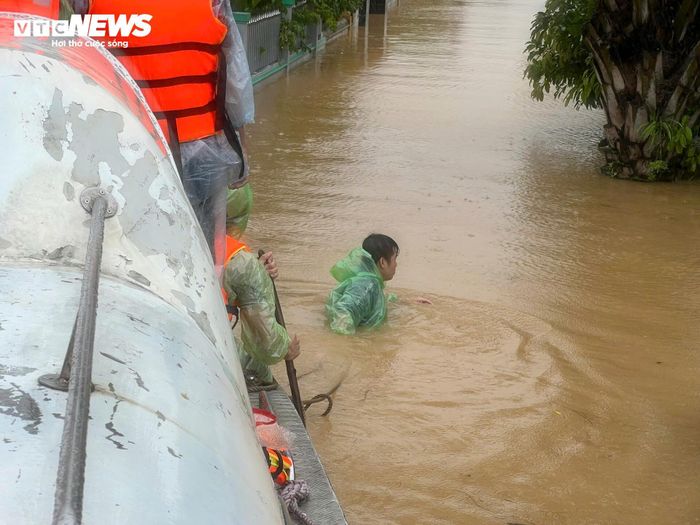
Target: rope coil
x,y
293,493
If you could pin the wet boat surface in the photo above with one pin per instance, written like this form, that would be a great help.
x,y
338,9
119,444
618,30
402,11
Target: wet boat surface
x,y
322,507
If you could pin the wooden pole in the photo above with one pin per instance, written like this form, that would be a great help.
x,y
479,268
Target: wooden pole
x,y
291,370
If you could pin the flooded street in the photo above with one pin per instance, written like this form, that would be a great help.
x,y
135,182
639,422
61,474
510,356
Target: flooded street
x,y
555,378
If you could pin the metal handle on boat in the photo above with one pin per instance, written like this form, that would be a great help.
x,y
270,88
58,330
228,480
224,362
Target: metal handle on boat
x,y
68,499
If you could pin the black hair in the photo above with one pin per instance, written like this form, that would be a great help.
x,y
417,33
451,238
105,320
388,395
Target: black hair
x,y
378,246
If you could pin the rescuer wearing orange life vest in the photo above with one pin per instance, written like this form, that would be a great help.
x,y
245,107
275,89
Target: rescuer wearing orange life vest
x,y
193,71
248,285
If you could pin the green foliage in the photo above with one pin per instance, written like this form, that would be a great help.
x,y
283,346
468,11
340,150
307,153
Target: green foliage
x,y
255,6
558,60
646,57
293,32
674,141
658,170
330,11
612,169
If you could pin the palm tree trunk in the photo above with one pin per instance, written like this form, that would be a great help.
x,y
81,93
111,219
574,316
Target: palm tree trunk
x,y
637,90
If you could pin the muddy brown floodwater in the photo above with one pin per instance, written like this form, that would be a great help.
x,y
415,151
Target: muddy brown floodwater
x,y
555,378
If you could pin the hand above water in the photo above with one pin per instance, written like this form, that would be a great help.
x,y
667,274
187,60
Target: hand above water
x,y
270,265
294,349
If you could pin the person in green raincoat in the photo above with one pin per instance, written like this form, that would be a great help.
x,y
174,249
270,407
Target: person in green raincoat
x,y
358,299
247,281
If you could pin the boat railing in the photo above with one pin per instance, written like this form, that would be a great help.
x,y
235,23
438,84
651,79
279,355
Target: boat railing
x,y
76,372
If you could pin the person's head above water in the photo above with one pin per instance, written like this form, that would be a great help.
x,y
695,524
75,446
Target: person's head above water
x,y
384,252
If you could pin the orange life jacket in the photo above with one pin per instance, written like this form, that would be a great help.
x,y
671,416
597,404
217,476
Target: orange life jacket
x,y
176,64
45,8
280,465
233,246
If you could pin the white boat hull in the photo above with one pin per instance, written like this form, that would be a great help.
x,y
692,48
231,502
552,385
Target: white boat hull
x,y
170,436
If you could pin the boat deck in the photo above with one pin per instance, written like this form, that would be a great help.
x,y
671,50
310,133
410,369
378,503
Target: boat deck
x,y
322,506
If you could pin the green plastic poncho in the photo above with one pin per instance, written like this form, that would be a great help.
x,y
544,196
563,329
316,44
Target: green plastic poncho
x,y
239,204
263,340
359,298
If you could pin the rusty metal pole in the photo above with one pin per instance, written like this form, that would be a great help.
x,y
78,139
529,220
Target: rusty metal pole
x,y
291,369
68,501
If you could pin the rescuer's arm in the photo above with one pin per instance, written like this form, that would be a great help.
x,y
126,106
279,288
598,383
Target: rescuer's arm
x,y
262,336
240,105
239,101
